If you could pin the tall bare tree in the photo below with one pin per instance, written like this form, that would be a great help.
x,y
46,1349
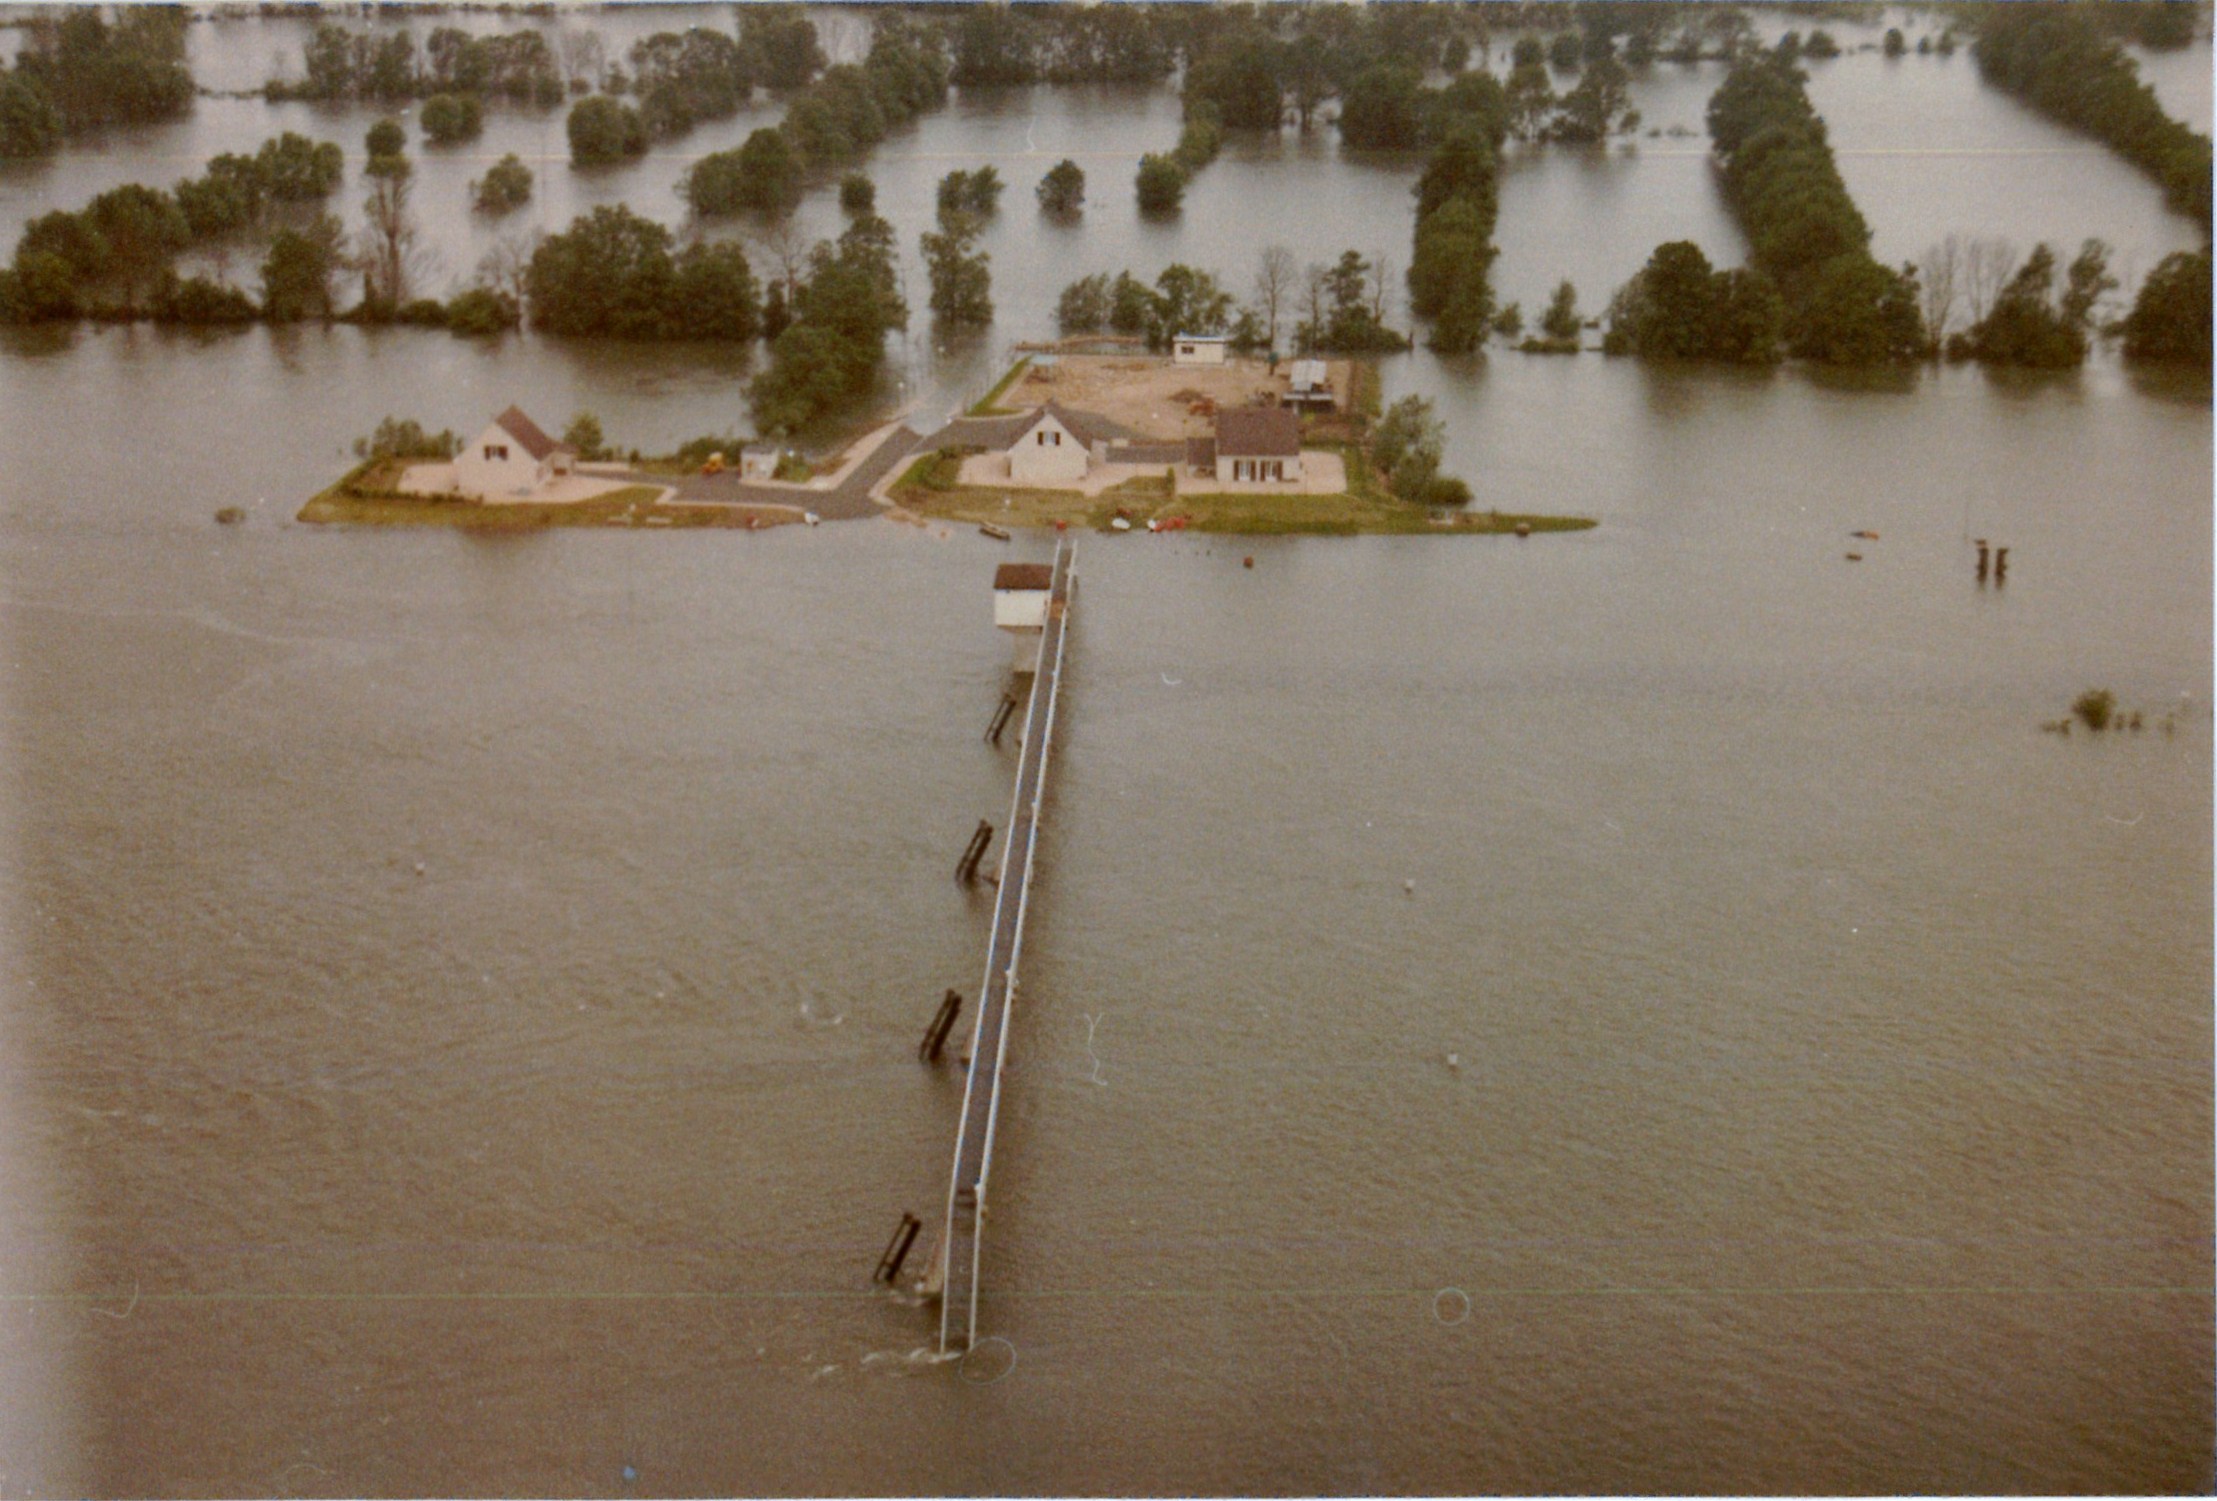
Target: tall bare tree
x,y
782,245
1987,267
1316,290
1381,288
1936,281
389,254
1277,274
507,266
583,57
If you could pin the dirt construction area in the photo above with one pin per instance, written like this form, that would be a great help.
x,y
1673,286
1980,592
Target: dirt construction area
x,y
1151,396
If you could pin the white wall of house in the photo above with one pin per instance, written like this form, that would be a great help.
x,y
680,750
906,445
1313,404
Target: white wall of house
x,y
1046,453
495,464
1197,352
1255,471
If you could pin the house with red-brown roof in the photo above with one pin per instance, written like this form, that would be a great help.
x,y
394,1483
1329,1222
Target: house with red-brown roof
x,y
514,456
1258,444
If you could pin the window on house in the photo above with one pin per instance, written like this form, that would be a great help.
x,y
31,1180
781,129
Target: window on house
x,y
496,450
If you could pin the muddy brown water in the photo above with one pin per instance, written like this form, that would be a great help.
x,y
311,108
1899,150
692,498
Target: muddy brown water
x,y
1642,1010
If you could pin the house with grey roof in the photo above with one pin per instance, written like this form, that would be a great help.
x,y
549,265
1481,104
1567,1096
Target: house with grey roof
x,y
514,456
1056,447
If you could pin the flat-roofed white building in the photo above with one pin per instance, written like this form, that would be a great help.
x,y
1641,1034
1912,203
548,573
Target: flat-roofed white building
x,y
1199,349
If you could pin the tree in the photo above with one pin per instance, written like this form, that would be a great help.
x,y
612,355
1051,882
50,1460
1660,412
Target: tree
x,y
2086,283
296,274
977,194
1988,265
715,294
1379,110
1161,184
1407,445
293,168
1276,273
505,186
1083,307
857,194
761,176
1598,106
2024,326
2170,319
1937,270
29,123
448,119
603,130
611,272
480,311
961,281
1062,190
1895,44
388,251
142,229
584,435
386,138
1188,301
1561,320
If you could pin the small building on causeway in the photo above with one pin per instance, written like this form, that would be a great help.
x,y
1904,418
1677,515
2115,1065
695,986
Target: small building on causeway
x,y
514,456
759,461
1258,444
1199,349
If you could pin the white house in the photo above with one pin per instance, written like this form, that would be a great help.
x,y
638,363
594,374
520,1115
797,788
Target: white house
x,y
512,457
1055,447
1258,444
1199,349
759,461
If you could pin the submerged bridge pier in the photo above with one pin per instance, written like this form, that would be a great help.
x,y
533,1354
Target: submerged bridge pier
x,y
954,1268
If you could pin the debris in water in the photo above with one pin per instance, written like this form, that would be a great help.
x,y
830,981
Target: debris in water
x,y
230,515
1855,557
1455,1060
1408,888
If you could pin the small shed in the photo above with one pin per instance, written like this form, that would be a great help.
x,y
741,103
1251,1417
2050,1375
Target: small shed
x,y
1308,384
1020,595
1199,349
759,461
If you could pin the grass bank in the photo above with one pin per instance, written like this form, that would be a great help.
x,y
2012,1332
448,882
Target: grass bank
x,y
990,405
366,498
928,489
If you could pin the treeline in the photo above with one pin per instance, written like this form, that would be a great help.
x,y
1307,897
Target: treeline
x,y
1331,309
614,273
115,257
2056,58
1804,232
83,72
1457,201
387,67
845,112
683,78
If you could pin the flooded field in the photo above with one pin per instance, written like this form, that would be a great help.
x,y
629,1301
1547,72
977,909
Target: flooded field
x,y
459,996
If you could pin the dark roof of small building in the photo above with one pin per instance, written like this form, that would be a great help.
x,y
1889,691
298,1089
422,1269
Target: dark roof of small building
x,y
1024,576
1084,426
1258,433
535,442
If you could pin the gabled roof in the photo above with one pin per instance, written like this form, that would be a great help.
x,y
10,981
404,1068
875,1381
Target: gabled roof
x,y
1258,433
526,432
1039,576
1087,429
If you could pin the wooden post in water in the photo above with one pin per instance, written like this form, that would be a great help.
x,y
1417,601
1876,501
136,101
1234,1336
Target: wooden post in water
x,y
935,1036
2001,565
966,869
1000,719
896,1249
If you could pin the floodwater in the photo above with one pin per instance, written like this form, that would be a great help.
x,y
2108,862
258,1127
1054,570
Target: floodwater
x,y
1643,1010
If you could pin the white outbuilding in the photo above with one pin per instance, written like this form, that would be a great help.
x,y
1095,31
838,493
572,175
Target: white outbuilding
x,y
511,457
1199,349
